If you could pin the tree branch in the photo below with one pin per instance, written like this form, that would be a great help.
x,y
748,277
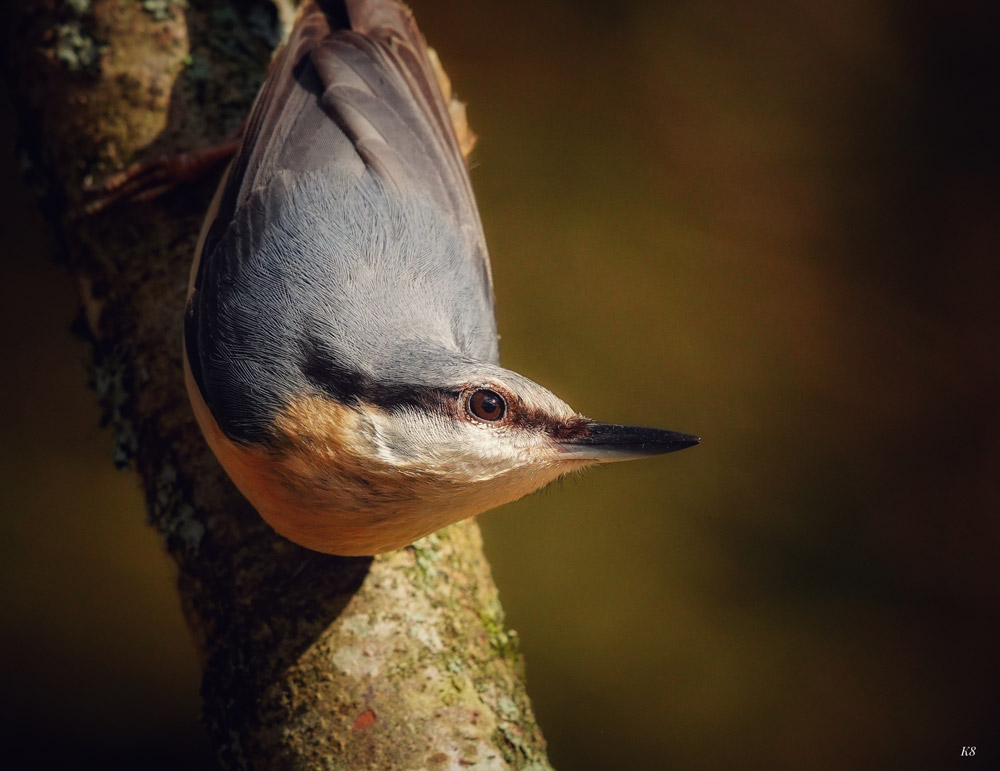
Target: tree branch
x,y
310,661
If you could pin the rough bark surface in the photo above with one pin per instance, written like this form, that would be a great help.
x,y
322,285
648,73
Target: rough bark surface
x,y
310,661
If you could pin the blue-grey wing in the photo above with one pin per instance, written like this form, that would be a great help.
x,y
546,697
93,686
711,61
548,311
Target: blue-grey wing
x,y
351,120
367,95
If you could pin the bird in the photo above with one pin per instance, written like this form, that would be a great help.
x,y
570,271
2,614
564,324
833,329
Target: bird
x,y
341,351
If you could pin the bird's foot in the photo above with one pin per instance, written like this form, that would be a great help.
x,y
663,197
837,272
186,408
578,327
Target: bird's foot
x,y
148,180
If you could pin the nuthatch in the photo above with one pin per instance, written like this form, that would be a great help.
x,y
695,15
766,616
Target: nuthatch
x,y
341,350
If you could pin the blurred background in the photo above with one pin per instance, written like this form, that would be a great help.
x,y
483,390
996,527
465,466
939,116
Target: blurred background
x,y
776,225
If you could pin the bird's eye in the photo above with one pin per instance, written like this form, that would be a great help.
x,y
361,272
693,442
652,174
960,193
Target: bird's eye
x,y
486,405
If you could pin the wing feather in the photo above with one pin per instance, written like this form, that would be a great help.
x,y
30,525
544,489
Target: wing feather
x,y
382,87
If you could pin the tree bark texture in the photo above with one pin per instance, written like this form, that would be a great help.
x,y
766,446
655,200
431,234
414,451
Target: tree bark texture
x,y
310,661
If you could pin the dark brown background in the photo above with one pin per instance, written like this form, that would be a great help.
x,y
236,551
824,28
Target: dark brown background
x,y
772,224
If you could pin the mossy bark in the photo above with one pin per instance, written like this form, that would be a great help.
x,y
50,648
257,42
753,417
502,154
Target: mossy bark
x,y
310,661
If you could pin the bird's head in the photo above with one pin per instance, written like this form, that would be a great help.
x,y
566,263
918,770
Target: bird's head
x,y
376,467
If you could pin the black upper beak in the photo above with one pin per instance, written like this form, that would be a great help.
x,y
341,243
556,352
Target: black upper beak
x,y
608,442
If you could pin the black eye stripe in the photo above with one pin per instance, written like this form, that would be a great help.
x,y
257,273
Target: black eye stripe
x,y
485,404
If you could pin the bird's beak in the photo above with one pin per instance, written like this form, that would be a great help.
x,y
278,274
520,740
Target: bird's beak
x,y
606,442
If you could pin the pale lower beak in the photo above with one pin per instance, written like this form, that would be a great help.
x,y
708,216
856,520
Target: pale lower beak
x,y
607,442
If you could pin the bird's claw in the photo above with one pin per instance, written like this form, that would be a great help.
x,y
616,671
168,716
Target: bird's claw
x,y
148,180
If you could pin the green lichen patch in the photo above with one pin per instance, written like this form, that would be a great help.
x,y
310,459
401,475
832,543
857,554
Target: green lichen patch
x,y
75,45
427,555
78,7
169,511
162,10
110,378
503,641
515,750
507,708
76,48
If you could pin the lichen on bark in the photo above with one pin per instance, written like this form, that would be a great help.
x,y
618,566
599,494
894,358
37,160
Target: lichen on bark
x,y
310,661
